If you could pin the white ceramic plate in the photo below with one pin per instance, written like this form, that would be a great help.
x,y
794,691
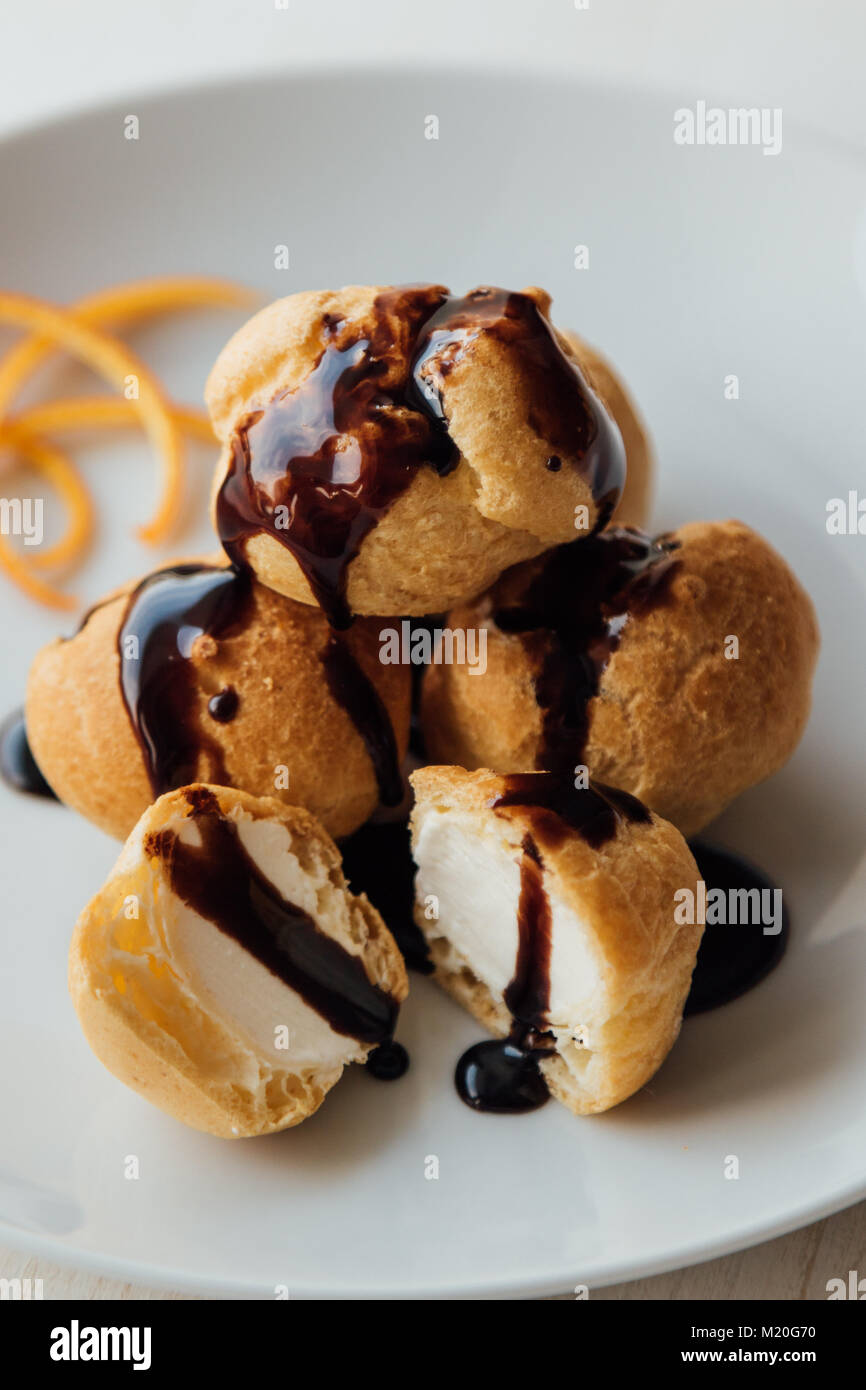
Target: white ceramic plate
x,y
703,262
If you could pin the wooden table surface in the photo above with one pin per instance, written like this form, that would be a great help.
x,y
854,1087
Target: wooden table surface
x,y
794,1267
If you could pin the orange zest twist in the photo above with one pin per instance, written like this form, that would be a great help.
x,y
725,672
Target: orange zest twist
x,y
53,464
113,361
64,477
103,412
130,303
77,330
23,433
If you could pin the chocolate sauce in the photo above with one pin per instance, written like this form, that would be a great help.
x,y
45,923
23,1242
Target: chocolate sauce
x,y
527,997
556,806
732,958
18,767
569,608
388,1062
335,452
318,467
500,1077
220,882
165,616
224,705
377,860
357,694
562,408
503,1075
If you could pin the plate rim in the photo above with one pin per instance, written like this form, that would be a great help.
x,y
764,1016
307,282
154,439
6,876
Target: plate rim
x,y
162,1278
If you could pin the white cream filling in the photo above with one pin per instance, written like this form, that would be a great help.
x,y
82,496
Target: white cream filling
x,y
230,983
475,878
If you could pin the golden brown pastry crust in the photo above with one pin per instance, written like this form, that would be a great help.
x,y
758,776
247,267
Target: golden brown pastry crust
x,y
161,1041
444,539
675,722
623,892
84,743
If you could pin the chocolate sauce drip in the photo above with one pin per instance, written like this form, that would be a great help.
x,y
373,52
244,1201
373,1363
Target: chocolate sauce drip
x,y
732,958
563,410
165,615
557,806
357,694
18,767
338,450
527,997
503,1075
318,467
501,1078
220,882
224,705
377,860
388,1062
570,608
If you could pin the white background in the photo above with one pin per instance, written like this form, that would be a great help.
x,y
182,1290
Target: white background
x,y
804,55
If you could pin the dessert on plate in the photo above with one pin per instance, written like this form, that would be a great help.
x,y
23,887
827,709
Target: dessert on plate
x,y
547,909
224,971
391,453
200,673
393,449
678,668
